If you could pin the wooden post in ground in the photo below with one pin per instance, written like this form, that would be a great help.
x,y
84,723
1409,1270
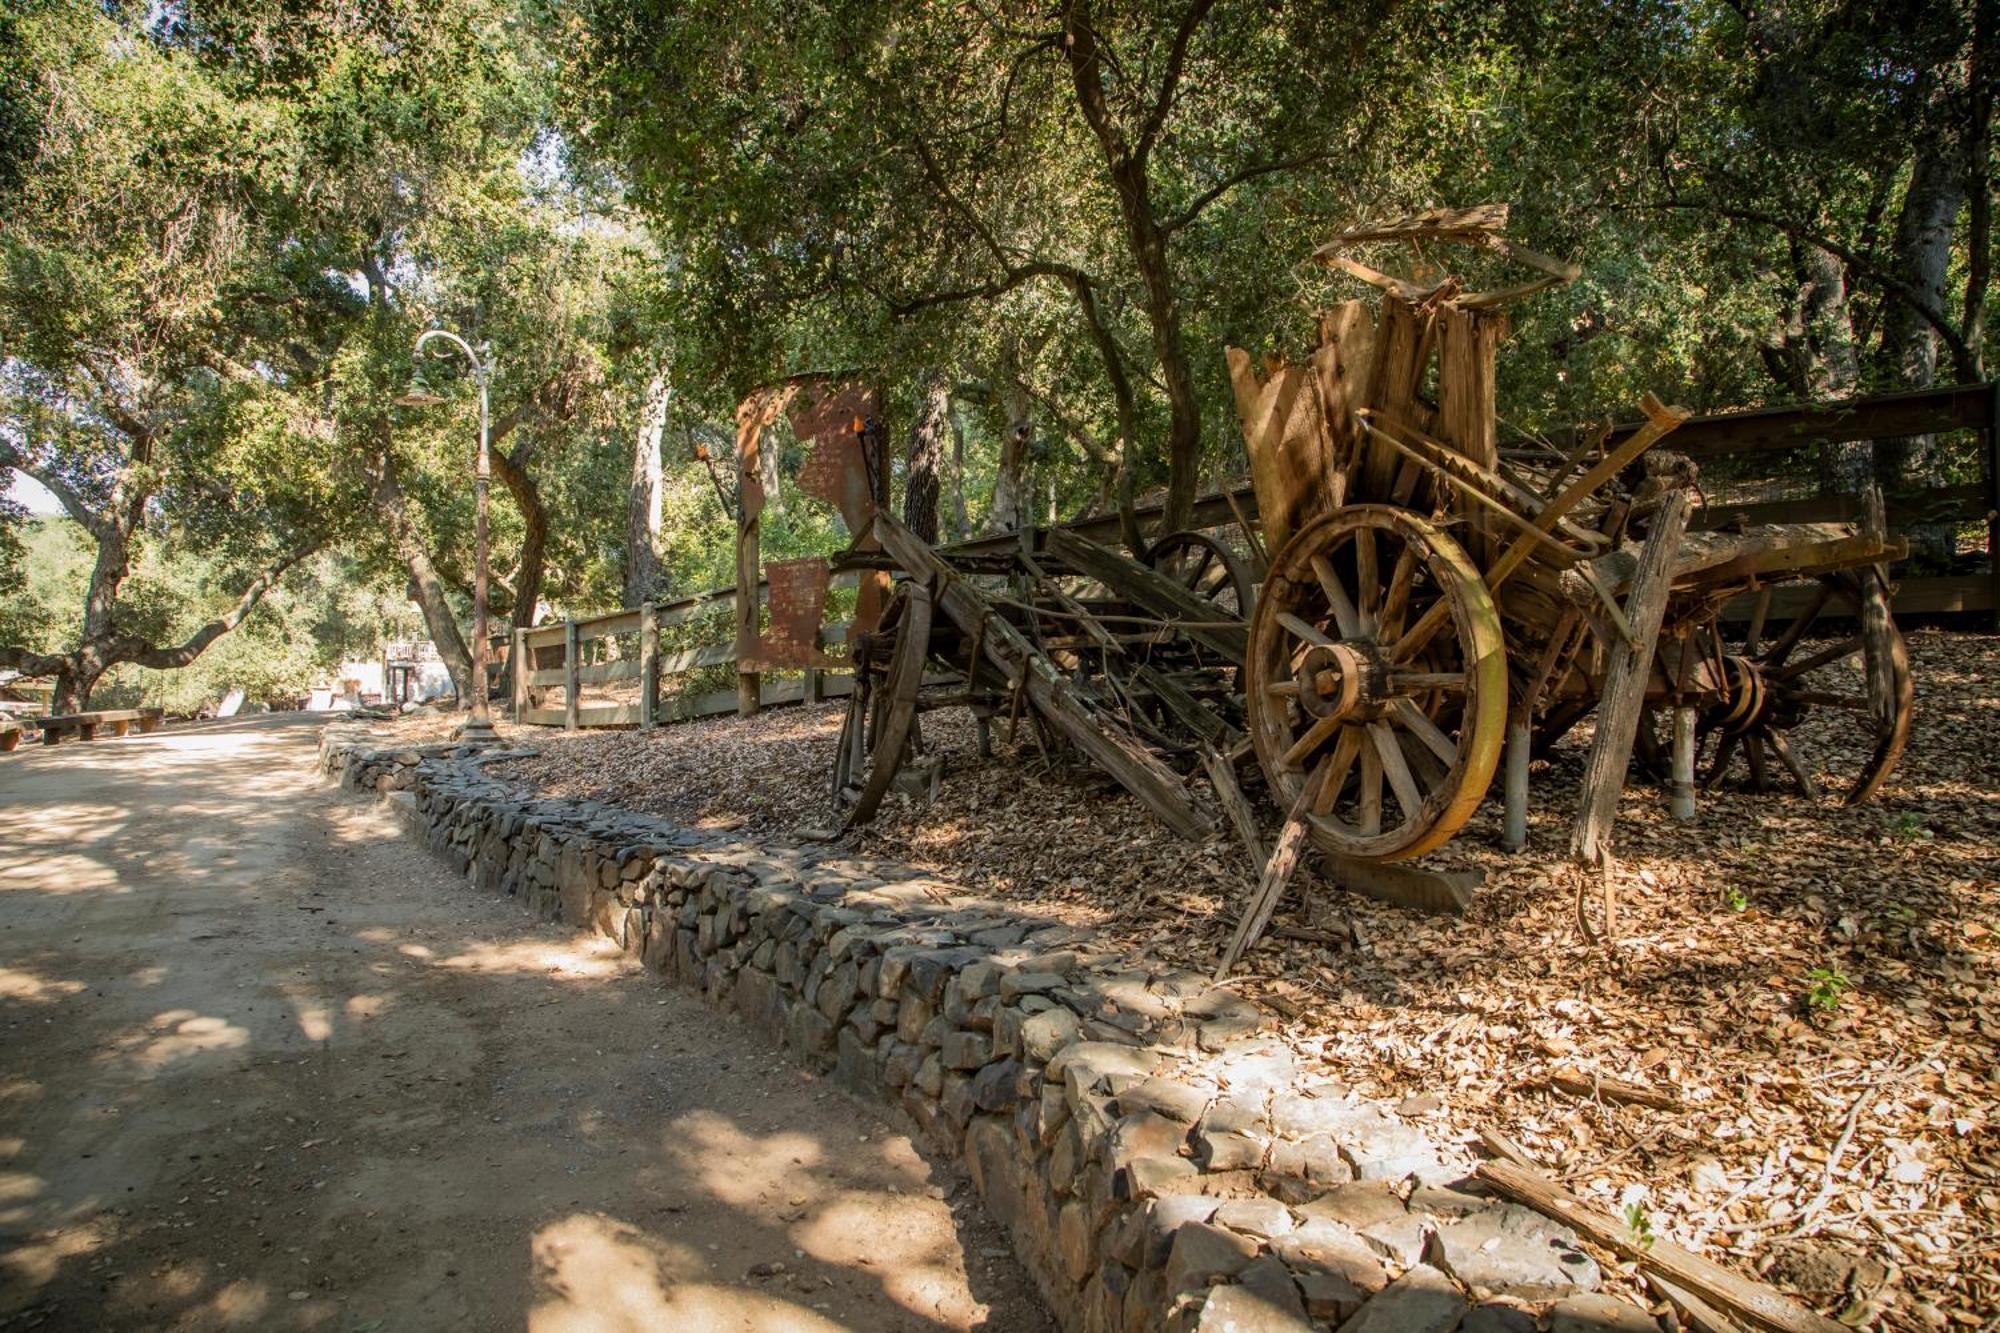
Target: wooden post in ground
x,y
572,687
1624,690
1681,777
1514,823
649,665
522,665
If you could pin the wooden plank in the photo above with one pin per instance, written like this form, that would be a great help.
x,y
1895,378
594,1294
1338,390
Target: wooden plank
x,y
1795,425
597,673
608,626
1406,884
1152,590
1740,1296
1052,693
694,659
1276,874
1940,595
1944,504
1624,689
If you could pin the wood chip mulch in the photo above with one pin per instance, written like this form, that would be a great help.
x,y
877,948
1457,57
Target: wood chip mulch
x,y
1811,986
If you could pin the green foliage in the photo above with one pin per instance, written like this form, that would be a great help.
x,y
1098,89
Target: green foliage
x,y
1640,1223
1824,987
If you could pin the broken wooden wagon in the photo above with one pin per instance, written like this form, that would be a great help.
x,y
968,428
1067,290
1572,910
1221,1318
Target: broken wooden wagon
x,y
1414,604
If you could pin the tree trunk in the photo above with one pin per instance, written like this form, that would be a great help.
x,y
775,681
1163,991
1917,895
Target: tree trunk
x,y
1127,164
1831,366
961,524
642,506
926,458
1909,341
424,586
1010,482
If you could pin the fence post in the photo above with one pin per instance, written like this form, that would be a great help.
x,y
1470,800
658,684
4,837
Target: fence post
x,y
649,665
1992,469
521,666
572,687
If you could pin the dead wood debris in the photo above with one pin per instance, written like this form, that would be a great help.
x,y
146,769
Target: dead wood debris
x,y
1730,928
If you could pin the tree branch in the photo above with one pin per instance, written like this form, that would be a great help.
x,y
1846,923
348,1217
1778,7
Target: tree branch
x,y
28,662
1163,103
168,659
1181,219
72,503
1889,282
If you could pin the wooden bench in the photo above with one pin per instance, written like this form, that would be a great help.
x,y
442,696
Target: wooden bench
x,y
85,725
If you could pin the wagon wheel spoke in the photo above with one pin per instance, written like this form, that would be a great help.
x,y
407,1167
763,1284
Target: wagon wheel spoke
x,y
1793,764
1417,724
1344,614
1367,577
1846,648
1370,803
1802,622
1316,735
1311,634
1339,766
1397,769
1760,773
1396,599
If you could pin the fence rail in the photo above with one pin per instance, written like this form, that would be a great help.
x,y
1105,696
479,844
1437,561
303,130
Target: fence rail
x,y
1736,435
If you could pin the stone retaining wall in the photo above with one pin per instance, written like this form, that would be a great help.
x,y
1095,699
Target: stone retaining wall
x,y
1160,1161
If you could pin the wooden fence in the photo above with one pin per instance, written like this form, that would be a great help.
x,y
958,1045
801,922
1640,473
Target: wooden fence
x,y
1728,445
571,642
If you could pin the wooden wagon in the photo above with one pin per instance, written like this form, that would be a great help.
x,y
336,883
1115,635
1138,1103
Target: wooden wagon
x,y
1414,605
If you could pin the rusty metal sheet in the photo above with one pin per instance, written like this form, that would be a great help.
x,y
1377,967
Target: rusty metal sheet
x,y
837,471
798,607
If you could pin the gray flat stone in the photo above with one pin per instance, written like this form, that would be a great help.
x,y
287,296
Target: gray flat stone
x,y
1262,1300
1258,1217
1202,1254
1371,1212
1597,1313
1509,1250
1422,1300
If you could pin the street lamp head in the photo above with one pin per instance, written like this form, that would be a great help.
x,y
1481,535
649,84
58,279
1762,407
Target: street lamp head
x,y
419,397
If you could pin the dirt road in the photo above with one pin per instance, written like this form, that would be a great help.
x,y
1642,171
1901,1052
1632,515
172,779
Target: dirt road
x,y
265,1064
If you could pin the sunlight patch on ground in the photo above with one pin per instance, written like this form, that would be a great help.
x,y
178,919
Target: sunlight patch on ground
x,y
739,1168
17,983
599,1275
179,1034
62,873
578,958
36,1260
892,1236
368,1006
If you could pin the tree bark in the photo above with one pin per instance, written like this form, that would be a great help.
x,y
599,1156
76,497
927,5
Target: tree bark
x,y
1010,481
642,506
932,421
425,588
961,524
1909,339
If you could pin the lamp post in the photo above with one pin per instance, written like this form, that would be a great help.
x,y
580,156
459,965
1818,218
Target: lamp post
x,y
478,728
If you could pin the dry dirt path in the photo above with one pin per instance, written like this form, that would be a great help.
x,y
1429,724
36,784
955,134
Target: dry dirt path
x,y
265,1064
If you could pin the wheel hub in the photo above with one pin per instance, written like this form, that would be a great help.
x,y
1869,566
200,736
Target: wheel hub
x,y
1335,680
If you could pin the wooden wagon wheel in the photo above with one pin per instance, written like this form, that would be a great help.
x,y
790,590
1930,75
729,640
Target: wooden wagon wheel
x,y
1340,694
1207,568
880,726
1769,689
